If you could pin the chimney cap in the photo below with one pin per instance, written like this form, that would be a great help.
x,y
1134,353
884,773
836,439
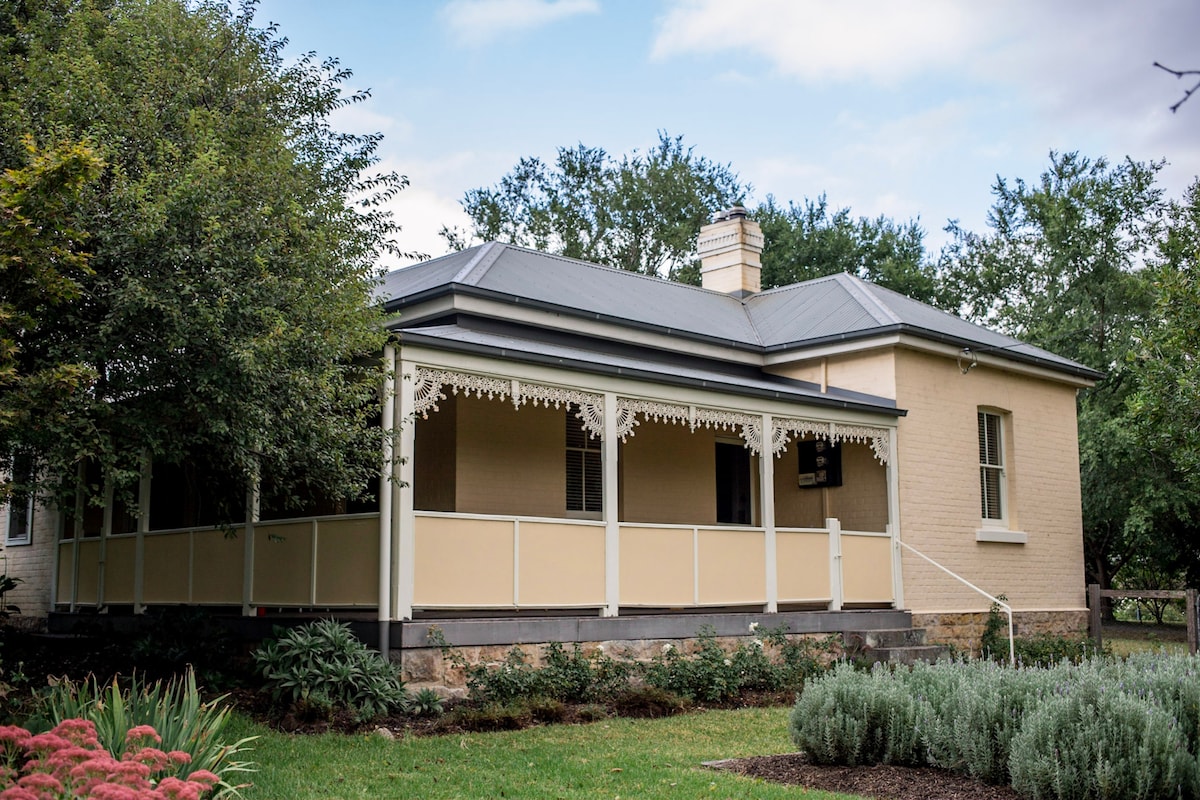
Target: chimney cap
x,y
733,212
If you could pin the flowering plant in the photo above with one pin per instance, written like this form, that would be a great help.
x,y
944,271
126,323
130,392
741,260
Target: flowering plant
x,y
68,763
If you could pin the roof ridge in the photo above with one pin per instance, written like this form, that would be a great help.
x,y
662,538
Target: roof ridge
x,y
857,288
479,264
619,270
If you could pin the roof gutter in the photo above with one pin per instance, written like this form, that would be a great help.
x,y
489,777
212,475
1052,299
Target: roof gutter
x,y
415,337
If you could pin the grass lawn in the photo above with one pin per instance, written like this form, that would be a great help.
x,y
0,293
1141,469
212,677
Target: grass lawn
x,y
611,759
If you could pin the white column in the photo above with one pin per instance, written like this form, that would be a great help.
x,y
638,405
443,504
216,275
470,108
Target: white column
x,y
105,531
404,523
253,501
386,419
612,525
766,475
834,526
893,489
143,525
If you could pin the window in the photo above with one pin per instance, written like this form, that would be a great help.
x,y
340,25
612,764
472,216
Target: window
x,y
992,498
734,493
585,469
20,508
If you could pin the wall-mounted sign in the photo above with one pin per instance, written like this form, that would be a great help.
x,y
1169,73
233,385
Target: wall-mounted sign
x,y
820,463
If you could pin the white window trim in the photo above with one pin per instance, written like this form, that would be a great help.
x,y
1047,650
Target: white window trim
x,y
12,513
582,513
1000,522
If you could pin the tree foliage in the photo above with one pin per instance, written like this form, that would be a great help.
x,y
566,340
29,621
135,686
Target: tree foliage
x,y
41,265
1064,268
807,241
1166,403
225,321
641,213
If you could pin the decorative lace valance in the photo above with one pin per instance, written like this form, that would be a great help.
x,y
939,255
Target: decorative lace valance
x,y
429,384
878,438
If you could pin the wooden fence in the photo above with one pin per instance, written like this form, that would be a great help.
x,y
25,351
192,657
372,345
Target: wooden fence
x,y
1095,593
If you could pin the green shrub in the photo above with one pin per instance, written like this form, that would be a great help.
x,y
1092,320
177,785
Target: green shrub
x,y
1104,728
853,717
428,703
172,708
649,702
708,675
322,663
490,717
1095,741
1045,649
509,682
566,676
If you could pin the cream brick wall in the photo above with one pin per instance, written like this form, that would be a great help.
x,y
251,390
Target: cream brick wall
x,y
668,475
32,563
939,487
510,461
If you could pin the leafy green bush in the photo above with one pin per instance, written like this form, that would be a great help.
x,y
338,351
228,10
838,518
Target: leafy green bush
x,y
1104,728
490,717
507,683
323,664
649,702
1045,650
427,703
709,674
1097,743
853,717
172,708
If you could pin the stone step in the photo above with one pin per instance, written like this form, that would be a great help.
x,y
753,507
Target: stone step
x,y
892,637
909,654
892,646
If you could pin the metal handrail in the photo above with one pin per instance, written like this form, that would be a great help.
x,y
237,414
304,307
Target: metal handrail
x,y
1012,648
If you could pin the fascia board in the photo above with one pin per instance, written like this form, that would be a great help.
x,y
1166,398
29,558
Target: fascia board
x,y
650,387
1015,363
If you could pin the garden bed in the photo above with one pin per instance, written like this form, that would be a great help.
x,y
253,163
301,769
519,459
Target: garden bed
x,y
880,781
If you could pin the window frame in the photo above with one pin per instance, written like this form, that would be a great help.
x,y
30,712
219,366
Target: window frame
x,y
21,505
588,447
999,468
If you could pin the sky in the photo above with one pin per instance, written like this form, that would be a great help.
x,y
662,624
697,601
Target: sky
x,y
905,108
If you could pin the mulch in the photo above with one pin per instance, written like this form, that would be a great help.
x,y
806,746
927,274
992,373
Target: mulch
x,y
880,781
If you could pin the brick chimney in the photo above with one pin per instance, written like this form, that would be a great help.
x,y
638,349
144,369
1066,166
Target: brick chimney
x,y
730,250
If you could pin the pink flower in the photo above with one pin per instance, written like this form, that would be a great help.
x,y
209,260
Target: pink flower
x,y
13,735
175,789
81,732
41,782
179,758
141,732
205,778
152,757
18,793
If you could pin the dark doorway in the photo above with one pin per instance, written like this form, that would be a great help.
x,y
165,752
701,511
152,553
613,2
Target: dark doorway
x,y
733,484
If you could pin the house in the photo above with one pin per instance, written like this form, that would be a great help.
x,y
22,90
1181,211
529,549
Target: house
x,y
588,454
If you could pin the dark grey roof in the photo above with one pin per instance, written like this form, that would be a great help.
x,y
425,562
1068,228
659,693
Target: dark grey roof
x,y
835,308
576,355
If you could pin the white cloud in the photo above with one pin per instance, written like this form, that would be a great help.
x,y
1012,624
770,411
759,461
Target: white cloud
x,y
476,22
878,40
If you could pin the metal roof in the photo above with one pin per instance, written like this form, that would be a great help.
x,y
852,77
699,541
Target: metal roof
x,y
529,347
834,308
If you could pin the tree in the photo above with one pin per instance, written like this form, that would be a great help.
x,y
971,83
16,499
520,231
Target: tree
x,y
806,241
41,264
641,213
1063,269
226,321
1166,404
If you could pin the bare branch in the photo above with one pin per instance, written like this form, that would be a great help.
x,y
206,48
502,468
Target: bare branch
x,y
1179,74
